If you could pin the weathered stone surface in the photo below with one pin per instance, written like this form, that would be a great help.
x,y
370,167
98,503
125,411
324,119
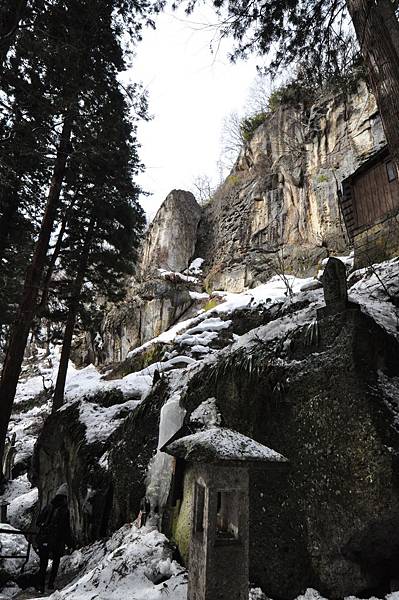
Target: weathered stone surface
x,y
278,210
171,238
134,445
62,455
154,302
320,405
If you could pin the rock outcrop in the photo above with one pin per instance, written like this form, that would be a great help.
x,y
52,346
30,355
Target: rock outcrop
x,y
323,402
157,297
277,212
278,209
171,238
319,387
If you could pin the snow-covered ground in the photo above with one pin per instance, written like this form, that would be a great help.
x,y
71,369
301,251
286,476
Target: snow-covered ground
x,y
136,564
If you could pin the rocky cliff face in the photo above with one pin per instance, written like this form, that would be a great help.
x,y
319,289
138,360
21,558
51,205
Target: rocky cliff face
x,y
278,210
157,295
172,236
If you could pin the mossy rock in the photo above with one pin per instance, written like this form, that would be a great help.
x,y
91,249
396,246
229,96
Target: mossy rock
x,y
181,529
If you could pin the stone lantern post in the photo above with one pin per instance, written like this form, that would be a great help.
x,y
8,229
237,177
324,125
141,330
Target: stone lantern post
x,y
219,459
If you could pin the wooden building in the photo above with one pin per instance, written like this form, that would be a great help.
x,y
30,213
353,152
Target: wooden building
x,y
370,207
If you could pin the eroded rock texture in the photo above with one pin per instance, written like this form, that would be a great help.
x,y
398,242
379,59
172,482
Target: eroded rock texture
x,y
278,210
324,405
171,238
155,301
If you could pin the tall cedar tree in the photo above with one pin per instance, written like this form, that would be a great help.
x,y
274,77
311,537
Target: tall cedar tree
x,y
312,30
106,221
63,48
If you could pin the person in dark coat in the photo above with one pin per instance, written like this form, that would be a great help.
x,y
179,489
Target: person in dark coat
x,y
54,535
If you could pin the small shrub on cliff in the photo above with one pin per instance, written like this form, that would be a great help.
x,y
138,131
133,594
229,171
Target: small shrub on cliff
x,y
233,180
250,124
291,94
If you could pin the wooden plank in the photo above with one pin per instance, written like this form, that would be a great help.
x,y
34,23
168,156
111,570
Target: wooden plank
x,y
354,204
386,205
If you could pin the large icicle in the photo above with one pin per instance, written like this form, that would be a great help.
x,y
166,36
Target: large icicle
x,y
160,470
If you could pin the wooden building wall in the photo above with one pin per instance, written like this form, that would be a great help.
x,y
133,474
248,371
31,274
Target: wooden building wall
x,y
370,194
375,193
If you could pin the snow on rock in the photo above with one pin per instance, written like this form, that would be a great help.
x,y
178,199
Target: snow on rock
x,y
175,276
313,284
311,594
89,382
165,337
374,289
219,444
16,488
22,499
256,594
133,564
199,349
206,414
347,260
160,469
203,338
195,267
199,296
14,545
212,324
277,289
102,421
26,426
281,327
20,509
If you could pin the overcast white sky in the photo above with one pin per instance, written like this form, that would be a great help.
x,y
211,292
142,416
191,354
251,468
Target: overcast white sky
x,y
190,93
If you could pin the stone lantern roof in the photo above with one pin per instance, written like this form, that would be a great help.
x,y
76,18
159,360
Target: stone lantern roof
x,y
219,445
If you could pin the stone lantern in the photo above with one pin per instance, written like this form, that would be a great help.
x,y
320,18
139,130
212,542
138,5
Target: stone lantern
x,y
219,460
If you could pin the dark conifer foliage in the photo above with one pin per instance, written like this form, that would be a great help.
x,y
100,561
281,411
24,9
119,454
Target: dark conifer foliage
x,y
79,156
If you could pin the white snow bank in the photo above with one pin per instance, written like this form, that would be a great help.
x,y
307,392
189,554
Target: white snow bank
x,y
204,338
127,566
16,487
165,337
88,382
211,324
277,289
347,260
199,296
195,267
19,511
101,421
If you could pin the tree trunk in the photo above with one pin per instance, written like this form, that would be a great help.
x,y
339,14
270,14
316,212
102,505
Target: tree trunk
x,y
58,398
377,31
20,329
387,9
6,221
53,260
